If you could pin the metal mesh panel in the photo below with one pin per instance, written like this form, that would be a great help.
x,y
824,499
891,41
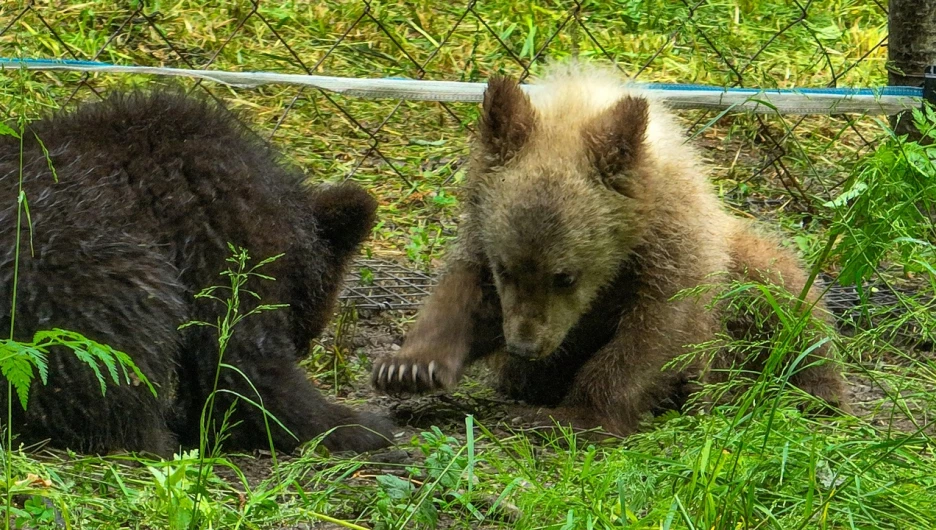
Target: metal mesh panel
x,y
382,284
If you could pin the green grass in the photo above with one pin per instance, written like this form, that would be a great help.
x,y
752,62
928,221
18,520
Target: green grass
x,y
754,465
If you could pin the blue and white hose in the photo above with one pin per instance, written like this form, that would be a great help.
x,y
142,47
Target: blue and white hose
x,y
883,100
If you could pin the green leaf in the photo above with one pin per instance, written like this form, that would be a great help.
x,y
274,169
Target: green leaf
x,y
830,32
17,360
18,371
92,353
45,153
5,130
266,261
395,487
846,196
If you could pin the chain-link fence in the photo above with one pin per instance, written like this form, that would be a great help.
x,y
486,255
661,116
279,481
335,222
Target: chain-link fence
x,y
410,154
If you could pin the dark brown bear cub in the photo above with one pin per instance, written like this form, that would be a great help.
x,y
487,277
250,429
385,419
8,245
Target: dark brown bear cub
x,y
151,189
585,213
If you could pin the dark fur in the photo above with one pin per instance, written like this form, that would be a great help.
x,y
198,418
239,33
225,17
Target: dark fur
x,y
151,190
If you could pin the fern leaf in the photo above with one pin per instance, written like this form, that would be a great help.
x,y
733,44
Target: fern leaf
x,y
16,365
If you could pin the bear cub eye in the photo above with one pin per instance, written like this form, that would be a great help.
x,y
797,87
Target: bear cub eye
x,y
563,280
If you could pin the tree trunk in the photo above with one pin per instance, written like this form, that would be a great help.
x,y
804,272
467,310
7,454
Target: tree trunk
x,y
911,47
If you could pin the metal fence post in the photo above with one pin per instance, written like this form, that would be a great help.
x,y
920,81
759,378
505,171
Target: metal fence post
x,y
911,47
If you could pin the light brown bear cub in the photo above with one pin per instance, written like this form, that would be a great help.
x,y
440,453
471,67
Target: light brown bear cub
x,y
585,212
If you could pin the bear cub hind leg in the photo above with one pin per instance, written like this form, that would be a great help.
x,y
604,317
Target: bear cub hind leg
x,y
758,258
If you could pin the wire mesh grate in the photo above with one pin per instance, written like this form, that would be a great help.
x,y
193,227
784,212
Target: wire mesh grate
x,y
383,285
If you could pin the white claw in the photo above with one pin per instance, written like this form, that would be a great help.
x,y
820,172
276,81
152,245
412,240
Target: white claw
x,y
383,368
432,367
390,372
415,371
402,372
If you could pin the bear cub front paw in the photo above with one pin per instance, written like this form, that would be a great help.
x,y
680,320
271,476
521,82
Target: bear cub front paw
x,y
411,374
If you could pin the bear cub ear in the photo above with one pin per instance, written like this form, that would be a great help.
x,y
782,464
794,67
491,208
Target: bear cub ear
x,y
507,118
344,213
616,138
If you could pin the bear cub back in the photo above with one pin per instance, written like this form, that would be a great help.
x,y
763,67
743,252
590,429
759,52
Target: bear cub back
x,y
148,192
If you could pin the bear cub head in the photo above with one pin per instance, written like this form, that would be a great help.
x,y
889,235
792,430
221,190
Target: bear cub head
x,y
556,198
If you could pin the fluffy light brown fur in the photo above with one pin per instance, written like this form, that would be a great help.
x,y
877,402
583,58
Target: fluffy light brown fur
x,y
585,213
